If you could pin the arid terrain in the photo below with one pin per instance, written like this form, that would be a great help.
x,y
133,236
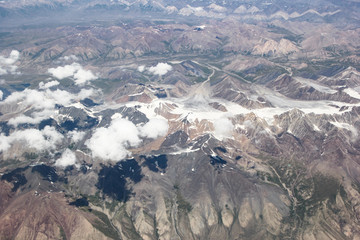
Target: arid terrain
x,y
179,120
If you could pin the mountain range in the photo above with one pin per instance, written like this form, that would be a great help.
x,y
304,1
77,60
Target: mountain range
x,y
179,119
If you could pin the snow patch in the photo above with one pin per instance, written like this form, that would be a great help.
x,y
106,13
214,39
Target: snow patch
x,y
315,85
346,126
352,93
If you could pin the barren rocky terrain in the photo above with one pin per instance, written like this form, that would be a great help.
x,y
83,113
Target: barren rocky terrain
x,y
179,120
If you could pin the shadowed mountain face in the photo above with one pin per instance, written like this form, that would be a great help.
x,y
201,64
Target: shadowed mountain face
x,y
179,120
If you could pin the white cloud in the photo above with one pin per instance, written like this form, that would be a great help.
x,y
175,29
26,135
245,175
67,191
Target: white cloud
x,y
35,118
154,128
141,68
67,158
30,97
74,70
85,93
160,69
45,139
47,85
223,128
52,135
171,9
14,56
64,72
24,119
7,63
1,95
110,143
42,103
83,76
76,136
4,143
40,99
59,97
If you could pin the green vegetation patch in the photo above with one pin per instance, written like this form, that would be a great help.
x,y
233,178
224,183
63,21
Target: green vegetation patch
x,y
112,205
104,225
30,155
10,163
127,225
267,177
95,199
325,187
62,233
183,205
286,33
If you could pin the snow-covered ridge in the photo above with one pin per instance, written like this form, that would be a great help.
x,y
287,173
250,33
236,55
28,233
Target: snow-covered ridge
x,y
315,85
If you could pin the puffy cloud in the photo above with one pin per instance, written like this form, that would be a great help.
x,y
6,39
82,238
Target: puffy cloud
x,y
52,135
82,76
35,117
39,99
67,158
64,72
154,128
30,97
6,63
111,143
47,85
4,143
59,97
45,139
74,70
160,69
223,128
42,103
14,56
171,9
1,95
84,93
76,136
141,68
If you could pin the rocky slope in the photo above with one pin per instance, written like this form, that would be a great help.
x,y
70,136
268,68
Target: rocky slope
x,y
238,121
